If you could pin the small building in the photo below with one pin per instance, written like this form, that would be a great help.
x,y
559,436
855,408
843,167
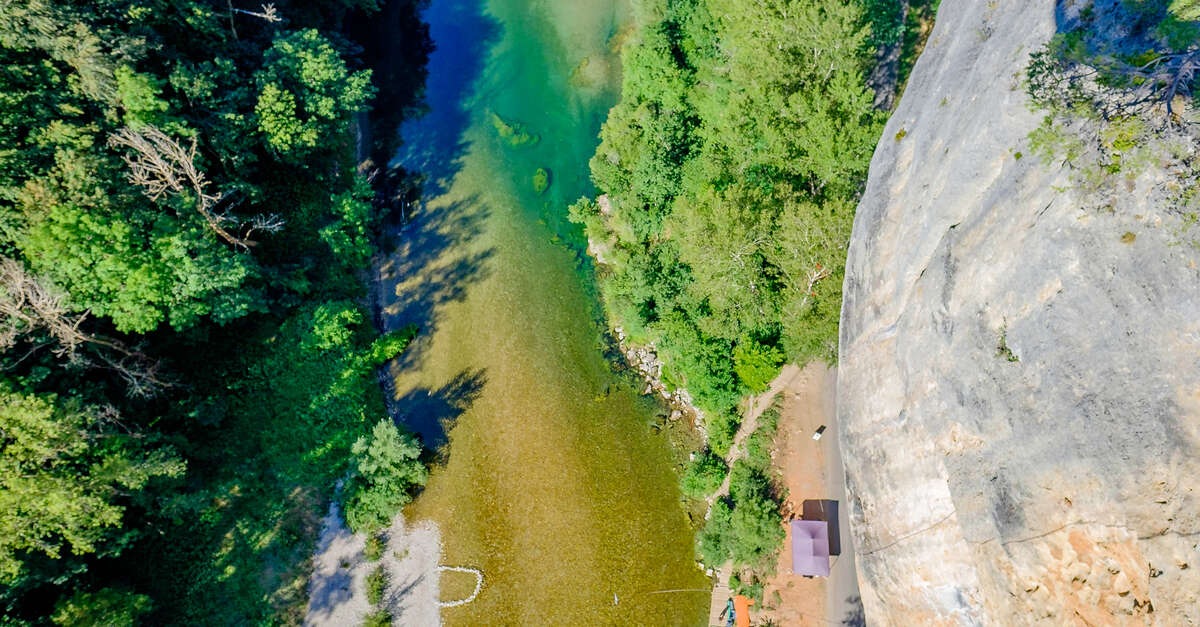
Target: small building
x,y
810,548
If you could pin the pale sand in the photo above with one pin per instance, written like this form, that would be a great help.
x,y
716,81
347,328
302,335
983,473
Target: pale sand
x,y
337,590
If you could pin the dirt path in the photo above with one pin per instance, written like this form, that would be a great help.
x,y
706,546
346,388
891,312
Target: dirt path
x,y
788,378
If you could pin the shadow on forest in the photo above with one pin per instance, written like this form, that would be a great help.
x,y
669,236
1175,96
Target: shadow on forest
x,y
432,413
434,144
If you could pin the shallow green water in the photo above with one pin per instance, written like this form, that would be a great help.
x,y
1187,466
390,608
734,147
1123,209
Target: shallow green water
x,y
551,481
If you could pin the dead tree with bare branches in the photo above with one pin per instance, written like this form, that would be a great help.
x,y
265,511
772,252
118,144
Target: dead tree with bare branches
x,y
269,13
162,167
34,312
1113,87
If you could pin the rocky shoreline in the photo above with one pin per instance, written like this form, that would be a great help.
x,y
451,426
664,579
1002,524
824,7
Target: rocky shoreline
x,y
644,359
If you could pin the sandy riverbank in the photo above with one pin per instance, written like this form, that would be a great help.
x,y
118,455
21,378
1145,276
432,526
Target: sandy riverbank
x,y
337,590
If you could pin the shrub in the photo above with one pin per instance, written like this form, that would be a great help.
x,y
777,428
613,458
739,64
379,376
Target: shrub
x,y
755,527
703,475
747,482
374,548
721,427
756,531
380,618
750,587
386,470
390,345
349,234
760,443
712,543
376,582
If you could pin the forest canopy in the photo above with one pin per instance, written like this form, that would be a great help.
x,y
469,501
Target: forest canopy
x,y
188,355
729,172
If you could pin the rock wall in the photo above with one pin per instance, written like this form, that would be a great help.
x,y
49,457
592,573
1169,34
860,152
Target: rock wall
x,y
1019,385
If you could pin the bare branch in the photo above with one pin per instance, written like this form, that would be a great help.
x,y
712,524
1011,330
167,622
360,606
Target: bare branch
x,y
269,13
267,223
1153,84
28,307
162,167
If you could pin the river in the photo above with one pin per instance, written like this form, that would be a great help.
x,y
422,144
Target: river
x,y
550,477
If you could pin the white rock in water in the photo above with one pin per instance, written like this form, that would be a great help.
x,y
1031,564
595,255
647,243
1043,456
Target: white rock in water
x,y
975,481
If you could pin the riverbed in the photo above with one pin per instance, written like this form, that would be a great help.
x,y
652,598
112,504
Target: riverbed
x,y
551,475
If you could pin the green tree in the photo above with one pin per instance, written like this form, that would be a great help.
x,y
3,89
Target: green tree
x,y
756,364
135,268
386,470
349,234
713,544
756,527
307,94
65,471
108,607
703,475
139,95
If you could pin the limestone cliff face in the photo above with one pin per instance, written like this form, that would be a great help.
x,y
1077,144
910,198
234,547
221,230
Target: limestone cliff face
x,y
1019,386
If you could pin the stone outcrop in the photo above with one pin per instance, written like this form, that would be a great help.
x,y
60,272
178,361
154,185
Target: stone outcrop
x,y
645,360
1019,384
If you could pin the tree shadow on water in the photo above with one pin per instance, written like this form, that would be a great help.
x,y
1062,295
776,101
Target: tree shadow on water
x,y
432,413
434,144
430,267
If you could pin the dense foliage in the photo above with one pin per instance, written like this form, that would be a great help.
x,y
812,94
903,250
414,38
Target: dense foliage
x,y
188,359
63,469
729,172
747,526
703,475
